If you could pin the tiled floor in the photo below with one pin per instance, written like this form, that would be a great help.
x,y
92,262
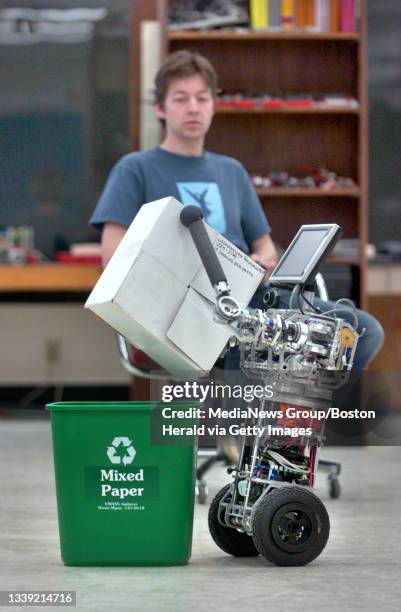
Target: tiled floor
x,y
360,568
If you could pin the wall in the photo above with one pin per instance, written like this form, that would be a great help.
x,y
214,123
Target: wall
x,y
47,344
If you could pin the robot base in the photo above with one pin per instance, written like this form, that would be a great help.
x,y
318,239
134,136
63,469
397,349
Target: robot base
x,y
289,527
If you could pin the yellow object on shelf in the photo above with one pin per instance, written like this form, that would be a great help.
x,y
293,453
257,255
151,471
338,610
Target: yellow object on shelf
x,y
287,14
259,10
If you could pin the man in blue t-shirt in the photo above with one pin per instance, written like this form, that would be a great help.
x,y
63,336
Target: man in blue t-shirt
x,y
216,183
186,89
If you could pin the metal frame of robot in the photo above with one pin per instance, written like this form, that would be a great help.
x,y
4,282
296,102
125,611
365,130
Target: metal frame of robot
x,y
257,330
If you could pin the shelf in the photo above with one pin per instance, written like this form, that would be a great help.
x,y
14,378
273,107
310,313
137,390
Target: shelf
x,y
238,36
327,110
299,64
288,192
48,277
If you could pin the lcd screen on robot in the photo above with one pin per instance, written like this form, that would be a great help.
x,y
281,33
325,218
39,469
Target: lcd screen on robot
x,y
305,254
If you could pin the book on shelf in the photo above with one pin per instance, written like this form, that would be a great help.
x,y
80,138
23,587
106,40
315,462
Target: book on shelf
x,y
287,14
308,15
334,16
275,14
329,16
259,14
347,15
304,14
322,13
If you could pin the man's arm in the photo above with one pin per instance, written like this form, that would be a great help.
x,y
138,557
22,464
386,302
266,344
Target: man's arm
x,y
111,237
264,253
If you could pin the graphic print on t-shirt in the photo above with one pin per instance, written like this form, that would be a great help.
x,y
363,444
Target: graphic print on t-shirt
x,y
207,196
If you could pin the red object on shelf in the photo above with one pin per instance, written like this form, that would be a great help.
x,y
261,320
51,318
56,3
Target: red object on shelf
x,y
244,103
64,257
236,103
300,103
347,15
274,103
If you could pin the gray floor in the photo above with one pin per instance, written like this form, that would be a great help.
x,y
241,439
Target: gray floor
x,y
359,570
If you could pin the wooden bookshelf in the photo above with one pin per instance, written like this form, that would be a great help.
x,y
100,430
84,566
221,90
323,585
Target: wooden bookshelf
x,y
175,35
277,192
289,139
318,110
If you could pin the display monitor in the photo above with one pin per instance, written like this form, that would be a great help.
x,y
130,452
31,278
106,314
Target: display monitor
x,y
302,259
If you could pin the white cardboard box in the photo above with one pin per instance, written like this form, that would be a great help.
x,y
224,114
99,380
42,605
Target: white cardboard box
x,y
155,291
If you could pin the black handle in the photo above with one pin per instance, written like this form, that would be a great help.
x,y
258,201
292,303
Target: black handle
x,y
191,217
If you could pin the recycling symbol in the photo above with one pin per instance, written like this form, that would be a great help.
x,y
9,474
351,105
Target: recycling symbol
x,y
119,446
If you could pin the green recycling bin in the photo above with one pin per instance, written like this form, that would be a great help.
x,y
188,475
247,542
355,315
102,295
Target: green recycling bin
x,y
121,499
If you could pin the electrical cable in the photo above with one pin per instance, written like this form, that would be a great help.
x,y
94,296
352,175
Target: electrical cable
x,y
351,307
315,308
299,302
285,463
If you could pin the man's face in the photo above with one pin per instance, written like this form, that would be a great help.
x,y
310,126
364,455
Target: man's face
x,y
188,108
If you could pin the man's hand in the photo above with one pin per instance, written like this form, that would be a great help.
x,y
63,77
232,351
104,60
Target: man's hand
x,y
264,253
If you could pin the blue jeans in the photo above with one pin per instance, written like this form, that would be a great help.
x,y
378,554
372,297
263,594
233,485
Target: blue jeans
x,y
368,345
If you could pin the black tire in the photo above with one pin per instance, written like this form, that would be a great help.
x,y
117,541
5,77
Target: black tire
x,y
334,488
230,540
290,526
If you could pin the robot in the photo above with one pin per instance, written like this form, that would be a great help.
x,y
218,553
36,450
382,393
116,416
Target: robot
x,y
270,508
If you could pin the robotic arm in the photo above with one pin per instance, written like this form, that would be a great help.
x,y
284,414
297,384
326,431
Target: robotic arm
x,y
300,346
